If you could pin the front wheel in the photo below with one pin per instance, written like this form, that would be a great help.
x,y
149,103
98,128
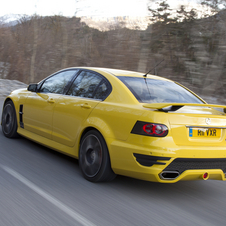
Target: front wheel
x,y
94,160
9,122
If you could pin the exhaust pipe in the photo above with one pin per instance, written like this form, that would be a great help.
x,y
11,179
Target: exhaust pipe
x,y
169,175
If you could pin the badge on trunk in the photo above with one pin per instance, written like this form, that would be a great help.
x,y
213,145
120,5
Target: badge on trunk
x,y
208,121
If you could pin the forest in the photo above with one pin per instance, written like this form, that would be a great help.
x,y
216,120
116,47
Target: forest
x,y
184,47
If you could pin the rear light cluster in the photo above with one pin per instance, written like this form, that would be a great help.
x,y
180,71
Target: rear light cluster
x,y
155,129
150,129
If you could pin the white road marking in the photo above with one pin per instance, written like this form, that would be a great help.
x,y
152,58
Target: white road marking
x,y
79,218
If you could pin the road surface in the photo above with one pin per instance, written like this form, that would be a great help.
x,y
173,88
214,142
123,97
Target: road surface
x,y
40,187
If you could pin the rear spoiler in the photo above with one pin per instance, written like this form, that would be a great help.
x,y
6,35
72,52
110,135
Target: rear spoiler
x,y
176,106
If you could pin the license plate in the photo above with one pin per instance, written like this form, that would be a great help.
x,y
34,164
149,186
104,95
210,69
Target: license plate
x,y
205,132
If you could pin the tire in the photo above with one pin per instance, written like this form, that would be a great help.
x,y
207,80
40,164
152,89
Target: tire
x,y
94,160
9,122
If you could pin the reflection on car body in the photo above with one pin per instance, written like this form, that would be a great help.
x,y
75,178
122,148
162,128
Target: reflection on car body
x,y
122,122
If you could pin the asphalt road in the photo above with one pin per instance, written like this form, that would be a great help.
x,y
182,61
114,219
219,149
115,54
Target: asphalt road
x,y
40,187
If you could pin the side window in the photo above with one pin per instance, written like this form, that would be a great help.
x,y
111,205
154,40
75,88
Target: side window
x,y
102,91
86,85
57,83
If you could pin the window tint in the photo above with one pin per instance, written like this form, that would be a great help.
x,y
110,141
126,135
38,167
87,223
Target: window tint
x,y
158,91
102,91
57,83
88,84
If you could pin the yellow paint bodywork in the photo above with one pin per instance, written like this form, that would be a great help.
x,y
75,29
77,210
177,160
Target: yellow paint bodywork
x,y
59,121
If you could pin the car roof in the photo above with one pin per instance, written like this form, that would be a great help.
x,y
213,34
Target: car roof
x,y
119,72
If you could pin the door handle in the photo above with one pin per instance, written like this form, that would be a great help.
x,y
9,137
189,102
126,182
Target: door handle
x,y
51,100
85,106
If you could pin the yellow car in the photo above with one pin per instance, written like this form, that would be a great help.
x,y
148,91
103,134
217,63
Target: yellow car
x,y
122,122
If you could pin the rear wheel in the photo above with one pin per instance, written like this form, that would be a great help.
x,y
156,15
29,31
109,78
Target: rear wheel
x,y
9,122
94,160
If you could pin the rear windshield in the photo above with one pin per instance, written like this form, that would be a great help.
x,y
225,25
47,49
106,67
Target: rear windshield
x,y
148,90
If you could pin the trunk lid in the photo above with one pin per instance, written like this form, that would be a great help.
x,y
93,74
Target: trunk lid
x,y
195,124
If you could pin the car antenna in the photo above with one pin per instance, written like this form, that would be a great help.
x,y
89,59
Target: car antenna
x,y
153,68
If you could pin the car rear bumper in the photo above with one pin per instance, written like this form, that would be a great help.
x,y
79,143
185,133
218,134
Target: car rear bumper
x,y
167,166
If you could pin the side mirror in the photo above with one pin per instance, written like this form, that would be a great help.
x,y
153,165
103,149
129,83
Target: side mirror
x,y
32,87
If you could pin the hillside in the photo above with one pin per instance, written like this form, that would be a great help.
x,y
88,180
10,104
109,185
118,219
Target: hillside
x,y
192,52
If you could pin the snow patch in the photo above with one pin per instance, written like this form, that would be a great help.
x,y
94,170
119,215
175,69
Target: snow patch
x,y
7,86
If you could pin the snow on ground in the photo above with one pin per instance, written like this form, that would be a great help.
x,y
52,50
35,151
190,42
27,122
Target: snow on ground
x,y
7,86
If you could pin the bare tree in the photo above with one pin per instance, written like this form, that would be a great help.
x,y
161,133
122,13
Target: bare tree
x,y
34,49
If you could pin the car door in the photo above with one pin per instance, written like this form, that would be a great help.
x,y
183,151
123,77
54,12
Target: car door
x,y
72,110
39,106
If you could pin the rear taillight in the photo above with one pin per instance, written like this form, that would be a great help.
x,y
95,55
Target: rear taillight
x,y
150,129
